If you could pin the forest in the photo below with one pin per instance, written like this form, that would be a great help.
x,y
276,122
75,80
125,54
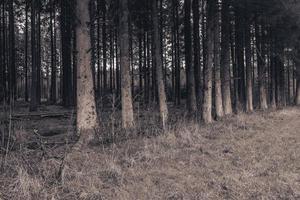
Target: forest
x,y
94,91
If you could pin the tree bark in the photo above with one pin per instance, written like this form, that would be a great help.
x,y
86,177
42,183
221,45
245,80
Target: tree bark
x,y
207,72
33,95
12,54
159,71
196,36
53,55
217,68
104,45
26,51
225,58
126,96
249,86
87,119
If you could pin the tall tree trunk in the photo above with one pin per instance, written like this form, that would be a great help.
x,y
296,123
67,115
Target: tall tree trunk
x,y
273,74
2,64
12,53
26,51
225,58
39,53
127,107
159,71
33,95
196,37
104,45
175,14
53,55
87,119
140,47
190,83
297,74
98,49
207,72
249,86
217,68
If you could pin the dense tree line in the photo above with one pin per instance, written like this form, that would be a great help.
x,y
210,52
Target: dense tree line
x,y
214,57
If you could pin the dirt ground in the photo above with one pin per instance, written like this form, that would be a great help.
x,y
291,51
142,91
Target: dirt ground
x,y
248,156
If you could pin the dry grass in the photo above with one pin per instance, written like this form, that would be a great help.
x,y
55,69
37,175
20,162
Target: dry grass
x,y
255,156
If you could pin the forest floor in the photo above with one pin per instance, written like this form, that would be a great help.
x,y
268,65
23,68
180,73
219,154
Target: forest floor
x,y
247,156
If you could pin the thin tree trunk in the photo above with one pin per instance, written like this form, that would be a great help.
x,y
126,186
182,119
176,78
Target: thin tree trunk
x,y
104,45
26,51
159,71
53,55
33,95
12,53
196,37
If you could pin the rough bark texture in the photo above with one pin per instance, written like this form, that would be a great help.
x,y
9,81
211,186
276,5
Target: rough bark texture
x,y
225,59
159,71
127,107
207,72
87,120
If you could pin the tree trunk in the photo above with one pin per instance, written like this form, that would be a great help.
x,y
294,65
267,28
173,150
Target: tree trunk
x,y
190,78
207,72
217,67
2,64
12,54
26,51
225,58
33,95
39,54
87,120
104,45
159,71
175,16
196,36
53,55
127,107
249,86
